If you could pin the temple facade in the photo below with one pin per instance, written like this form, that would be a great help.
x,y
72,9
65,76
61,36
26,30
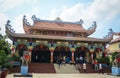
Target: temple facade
x,y
46,40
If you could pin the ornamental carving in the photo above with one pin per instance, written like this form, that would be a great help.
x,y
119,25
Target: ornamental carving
x,y
25,20
93,27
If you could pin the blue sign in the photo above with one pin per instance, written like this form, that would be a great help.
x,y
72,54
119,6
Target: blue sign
x,y
115,71
24,70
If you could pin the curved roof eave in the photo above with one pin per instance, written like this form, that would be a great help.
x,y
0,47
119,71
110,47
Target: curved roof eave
x,y
56,37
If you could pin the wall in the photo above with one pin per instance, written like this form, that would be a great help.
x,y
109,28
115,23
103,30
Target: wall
x,y
114,46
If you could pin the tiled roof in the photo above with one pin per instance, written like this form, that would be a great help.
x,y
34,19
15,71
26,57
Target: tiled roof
x,y
115,40
56,25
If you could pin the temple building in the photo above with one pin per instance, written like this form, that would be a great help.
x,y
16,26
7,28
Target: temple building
x,y
46,40
114,45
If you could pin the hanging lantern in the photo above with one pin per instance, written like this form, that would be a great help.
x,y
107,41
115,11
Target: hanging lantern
x,y
30,48
52,49
82,47
72,49
41,46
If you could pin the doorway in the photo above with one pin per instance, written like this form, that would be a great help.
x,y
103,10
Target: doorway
x,y
62,52
40,54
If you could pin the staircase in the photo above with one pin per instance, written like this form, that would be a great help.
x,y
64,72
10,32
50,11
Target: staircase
x,y
41,68
66,68
91,70
36,68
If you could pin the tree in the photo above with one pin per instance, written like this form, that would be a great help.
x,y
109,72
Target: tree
x,y
4,50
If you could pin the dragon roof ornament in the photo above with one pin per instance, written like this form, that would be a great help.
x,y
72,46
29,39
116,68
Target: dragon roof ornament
x,y
93,27
8,26
25,20
110,33
34,18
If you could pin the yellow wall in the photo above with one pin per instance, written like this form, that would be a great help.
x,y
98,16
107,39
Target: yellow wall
x,y
114,46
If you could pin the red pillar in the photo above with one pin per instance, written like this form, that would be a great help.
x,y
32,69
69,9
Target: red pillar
x,y
73,57
51,56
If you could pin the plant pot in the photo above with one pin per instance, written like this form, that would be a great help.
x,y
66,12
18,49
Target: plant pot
x,y
4,74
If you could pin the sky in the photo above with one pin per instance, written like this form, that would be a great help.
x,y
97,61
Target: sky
x,y
106,13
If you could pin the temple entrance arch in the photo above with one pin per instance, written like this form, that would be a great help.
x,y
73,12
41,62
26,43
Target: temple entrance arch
x,y
80,52
20,48
61,51
41,54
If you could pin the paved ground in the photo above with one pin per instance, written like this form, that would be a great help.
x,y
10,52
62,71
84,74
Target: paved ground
x,y
66,76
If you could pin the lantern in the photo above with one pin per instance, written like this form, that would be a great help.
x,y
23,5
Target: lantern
x,y
82,48
72,49
52,49
41,46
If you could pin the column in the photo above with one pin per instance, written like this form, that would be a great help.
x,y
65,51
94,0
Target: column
x,y
73,57
51,56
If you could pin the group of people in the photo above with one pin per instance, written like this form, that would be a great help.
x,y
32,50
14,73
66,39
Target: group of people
x,y
97,66
81,61
78,62
62,60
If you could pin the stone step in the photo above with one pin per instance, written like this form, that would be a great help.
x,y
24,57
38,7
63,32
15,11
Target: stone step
x,y
36,68
65,68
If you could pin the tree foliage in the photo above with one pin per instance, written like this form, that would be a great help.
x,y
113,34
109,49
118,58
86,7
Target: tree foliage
x,y
4,50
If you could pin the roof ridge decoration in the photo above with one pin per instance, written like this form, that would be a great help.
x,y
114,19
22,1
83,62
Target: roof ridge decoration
x,y
80,22
8,26
93,27
57,20
34,18
25,20
110,34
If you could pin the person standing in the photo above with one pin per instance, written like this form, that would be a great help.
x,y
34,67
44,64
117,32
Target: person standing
x,y
96,65
84,67
100,68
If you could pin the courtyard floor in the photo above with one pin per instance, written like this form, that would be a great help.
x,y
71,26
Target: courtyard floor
x,y
39,75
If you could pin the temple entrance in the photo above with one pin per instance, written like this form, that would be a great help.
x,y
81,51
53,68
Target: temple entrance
x,y
63,52
80,53
20,49
41,54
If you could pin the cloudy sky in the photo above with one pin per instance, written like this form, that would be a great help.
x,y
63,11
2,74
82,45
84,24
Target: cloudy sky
x,y
105,12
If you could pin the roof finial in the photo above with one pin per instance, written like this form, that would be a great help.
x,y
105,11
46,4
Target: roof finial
x,y
81,22
8,24
110,33
34,18
58,19
25,20
93,26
